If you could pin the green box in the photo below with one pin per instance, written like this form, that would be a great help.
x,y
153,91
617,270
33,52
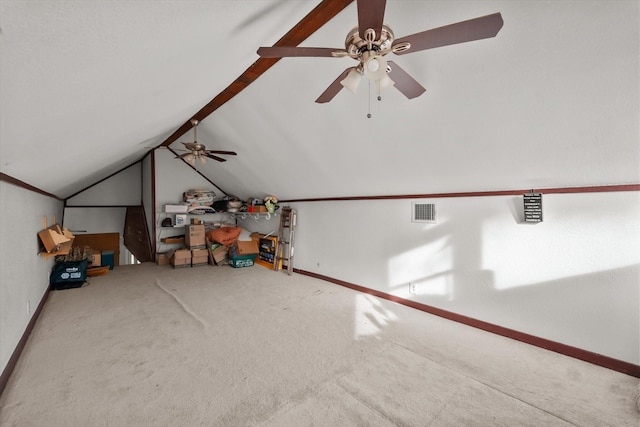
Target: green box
x,y
242,260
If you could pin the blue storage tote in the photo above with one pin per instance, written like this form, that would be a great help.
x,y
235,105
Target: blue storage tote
x,y
108,259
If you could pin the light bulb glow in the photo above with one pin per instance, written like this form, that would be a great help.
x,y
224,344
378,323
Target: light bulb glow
x,y
373,65
375,68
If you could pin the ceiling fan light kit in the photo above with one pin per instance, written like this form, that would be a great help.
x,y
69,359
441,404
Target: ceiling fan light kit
x,y
370,41
352,81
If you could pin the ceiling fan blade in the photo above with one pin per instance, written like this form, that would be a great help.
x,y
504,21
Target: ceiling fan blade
x,y
333,88
211,156
285,51
182,156
404,82
474,29
229,153
371,15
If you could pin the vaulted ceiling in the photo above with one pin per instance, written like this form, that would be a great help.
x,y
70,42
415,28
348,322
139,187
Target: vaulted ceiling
x,y
87,87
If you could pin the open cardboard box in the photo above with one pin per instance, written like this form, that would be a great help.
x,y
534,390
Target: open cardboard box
x,y
245,247
56,241
217,252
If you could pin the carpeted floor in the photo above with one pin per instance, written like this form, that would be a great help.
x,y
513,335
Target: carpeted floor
x,y
217,346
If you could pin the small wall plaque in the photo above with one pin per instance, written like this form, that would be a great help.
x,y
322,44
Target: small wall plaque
x,y
532,207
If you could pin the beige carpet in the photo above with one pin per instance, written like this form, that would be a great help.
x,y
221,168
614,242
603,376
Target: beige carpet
x,y
217,346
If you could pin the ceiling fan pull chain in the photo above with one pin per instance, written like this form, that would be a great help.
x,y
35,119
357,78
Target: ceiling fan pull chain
x,y
369,101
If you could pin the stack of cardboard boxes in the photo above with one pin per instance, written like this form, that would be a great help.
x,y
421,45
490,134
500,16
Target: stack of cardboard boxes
x,y
195,253
201,251
195,240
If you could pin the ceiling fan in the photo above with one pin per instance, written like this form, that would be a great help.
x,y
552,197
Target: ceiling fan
x,y
370,41
195,150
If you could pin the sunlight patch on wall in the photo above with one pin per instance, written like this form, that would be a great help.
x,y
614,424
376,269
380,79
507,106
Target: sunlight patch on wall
x,y
436,284
424,270
572,242
370,317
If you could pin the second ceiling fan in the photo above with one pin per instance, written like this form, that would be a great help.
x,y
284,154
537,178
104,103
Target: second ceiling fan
x,y
372,40
195,150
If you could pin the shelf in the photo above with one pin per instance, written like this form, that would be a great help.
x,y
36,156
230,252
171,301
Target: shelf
x,y
256,216
170,240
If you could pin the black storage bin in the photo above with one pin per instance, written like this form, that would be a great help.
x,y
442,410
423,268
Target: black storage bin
x,y
68,274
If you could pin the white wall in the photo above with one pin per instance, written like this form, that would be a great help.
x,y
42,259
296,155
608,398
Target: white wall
x,y
122,189
24,276
174,177
573,278
95,220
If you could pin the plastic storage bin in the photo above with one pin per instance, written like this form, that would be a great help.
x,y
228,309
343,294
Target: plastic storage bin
x,y
242,260
107,259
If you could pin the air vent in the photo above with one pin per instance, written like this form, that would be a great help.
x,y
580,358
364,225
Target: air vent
x,y
423,212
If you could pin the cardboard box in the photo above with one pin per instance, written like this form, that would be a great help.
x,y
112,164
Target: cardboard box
x,y
176,208
242,247
53,237
96,260
199,253
243,253
194,236
199,257
181,258
162,258
55,241
218,254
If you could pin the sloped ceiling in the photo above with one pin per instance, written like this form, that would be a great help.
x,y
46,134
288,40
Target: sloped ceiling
x,y
551,101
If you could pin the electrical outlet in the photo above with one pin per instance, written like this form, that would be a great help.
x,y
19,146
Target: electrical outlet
x,y
412,288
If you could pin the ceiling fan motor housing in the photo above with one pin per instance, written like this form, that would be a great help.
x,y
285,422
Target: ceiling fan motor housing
x,y
356,46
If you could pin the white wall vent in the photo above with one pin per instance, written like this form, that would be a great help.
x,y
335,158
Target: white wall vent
x,y
423,212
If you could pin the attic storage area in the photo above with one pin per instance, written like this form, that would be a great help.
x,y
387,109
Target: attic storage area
x,y
522,109
196,223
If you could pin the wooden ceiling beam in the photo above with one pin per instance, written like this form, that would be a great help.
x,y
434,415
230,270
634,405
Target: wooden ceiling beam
x,y
319,16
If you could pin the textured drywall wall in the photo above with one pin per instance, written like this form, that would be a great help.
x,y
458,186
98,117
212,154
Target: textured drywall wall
x,y
24,276
121,189
572,278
